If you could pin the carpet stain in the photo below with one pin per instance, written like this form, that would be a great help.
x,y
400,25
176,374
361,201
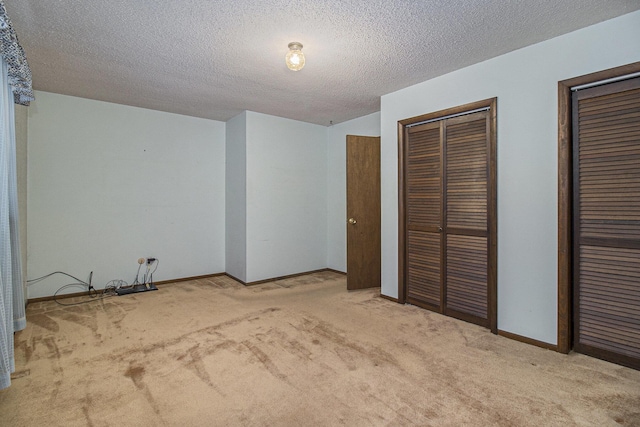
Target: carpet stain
x,y
21,374
325,330
222,282
86,403
374,301
494,418
52,346
196,336
347,358
623,408
26,349
136,374
90,322
45,322
291,345
296,347
195,364
265,360
264,288
412,348
399,412
54,391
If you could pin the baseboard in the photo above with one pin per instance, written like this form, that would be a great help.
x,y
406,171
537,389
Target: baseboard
x,y
61,296
289,276
188,279
86,293
526,340
235,278
390,298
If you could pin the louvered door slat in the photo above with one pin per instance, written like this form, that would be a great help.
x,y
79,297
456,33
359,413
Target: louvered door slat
x,y
424,212
467,274
621,134
607,223
466,173
423,178
423,272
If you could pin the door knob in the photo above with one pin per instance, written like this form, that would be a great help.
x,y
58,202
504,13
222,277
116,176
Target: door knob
x,y
439,228
352,221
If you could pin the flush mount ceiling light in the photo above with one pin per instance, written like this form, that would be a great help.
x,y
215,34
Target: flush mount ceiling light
x,y
295,57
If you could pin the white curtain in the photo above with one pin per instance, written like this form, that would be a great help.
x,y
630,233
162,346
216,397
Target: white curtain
x,y
12,304
15,86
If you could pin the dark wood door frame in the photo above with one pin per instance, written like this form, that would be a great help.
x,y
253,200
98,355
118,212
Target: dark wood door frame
x,y
492,226
565,199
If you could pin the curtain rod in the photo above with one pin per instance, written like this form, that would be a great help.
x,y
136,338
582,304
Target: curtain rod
x,y
603,82
448,117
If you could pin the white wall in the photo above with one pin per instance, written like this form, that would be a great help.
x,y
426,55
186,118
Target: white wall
x,y
337,184
108,184
525,82
236,197
286,196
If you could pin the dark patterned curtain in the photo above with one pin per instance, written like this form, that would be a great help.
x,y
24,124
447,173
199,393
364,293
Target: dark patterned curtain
x,y
11,51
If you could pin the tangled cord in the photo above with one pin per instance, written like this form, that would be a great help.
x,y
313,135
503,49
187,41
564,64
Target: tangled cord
x,y
148,275
110,288
95,295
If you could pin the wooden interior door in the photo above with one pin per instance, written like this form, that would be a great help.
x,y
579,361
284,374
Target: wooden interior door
x,y
606,132
466,217
447,214
424,221
363,212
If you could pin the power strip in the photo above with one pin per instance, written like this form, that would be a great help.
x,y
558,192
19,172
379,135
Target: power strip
x,y
136,289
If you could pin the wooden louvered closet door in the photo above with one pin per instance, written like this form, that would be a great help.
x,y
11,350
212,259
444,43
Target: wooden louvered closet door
x,y
466,229
424,215
446,204
606,131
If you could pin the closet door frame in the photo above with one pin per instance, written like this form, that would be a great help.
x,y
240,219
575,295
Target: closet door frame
x,y
492,220
565,197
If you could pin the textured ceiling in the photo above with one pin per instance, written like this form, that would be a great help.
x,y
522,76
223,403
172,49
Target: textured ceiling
x,y
214,59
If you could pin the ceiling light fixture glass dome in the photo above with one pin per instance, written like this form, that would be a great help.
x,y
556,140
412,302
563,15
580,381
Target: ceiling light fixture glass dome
x,y
295,57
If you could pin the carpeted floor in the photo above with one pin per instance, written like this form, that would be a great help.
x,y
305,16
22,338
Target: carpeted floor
x,y
296,352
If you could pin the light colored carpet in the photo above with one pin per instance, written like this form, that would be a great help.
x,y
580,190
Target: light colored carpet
x,y
297,352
